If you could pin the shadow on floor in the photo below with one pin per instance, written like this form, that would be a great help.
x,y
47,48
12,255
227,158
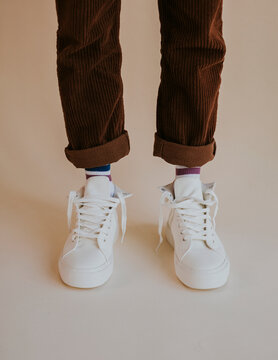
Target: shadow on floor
x,y
35,230
38,230
142,240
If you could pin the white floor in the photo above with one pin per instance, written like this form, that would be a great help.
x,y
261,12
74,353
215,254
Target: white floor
x,y
143,312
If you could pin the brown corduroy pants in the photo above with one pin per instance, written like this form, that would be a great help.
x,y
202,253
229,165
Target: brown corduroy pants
x,y
89,62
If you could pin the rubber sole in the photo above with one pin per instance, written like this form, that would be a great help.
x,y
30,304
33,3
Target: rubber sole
x,y
199,279
85,279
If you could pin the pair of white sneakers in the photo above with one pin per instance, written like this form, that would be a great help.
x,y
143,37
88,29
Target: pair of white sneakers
x,y
199,256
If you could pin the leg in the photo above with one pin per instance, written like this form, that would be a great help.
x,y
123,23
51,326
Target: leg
x,y
89,72
193,51
192,58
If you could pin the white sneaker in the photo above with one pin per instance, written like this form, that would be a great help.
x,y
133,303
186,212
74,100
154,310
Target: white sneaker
x,y
87,257
199,256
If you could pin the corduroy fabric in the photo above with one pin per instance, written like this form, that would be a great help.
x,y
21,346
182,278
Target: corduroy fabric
x,y
192,55
89,62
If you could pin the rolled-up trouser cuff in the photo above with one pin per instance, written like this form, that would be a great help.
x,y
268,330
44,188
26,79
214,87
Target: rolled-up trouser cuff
x,y
100,155
184,155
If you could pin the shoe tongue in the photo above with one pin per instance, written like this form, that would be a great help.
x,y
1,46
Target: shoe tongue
x,y
188,186
98,186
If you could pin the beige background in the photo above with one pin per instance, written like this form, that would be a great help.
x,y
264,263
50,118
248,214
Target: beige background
x,y
143,312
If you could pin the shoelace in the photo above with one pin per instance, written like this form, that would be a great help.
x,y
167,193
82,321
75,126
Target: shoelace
x,y
195,224
92,215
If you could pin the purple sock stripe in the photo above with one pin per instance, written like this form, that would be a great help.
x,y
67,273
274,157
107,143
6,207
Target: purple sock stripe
x,y
89,176
187,171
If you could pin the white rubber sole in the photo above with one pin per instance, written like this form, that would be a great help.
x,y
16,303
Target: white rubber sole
x,y
199,279
85,279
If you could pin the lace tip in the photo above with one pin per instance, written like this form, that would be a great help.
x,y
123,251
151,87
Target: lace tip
x,y
159,244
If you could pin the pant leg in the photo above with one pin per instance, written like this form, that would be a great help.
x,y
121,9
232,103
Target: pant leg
x,y
89,74
192,55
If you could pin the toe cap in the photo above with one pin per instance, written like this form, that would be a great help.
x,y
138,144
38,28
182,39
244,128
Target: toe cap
x,y
201,257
